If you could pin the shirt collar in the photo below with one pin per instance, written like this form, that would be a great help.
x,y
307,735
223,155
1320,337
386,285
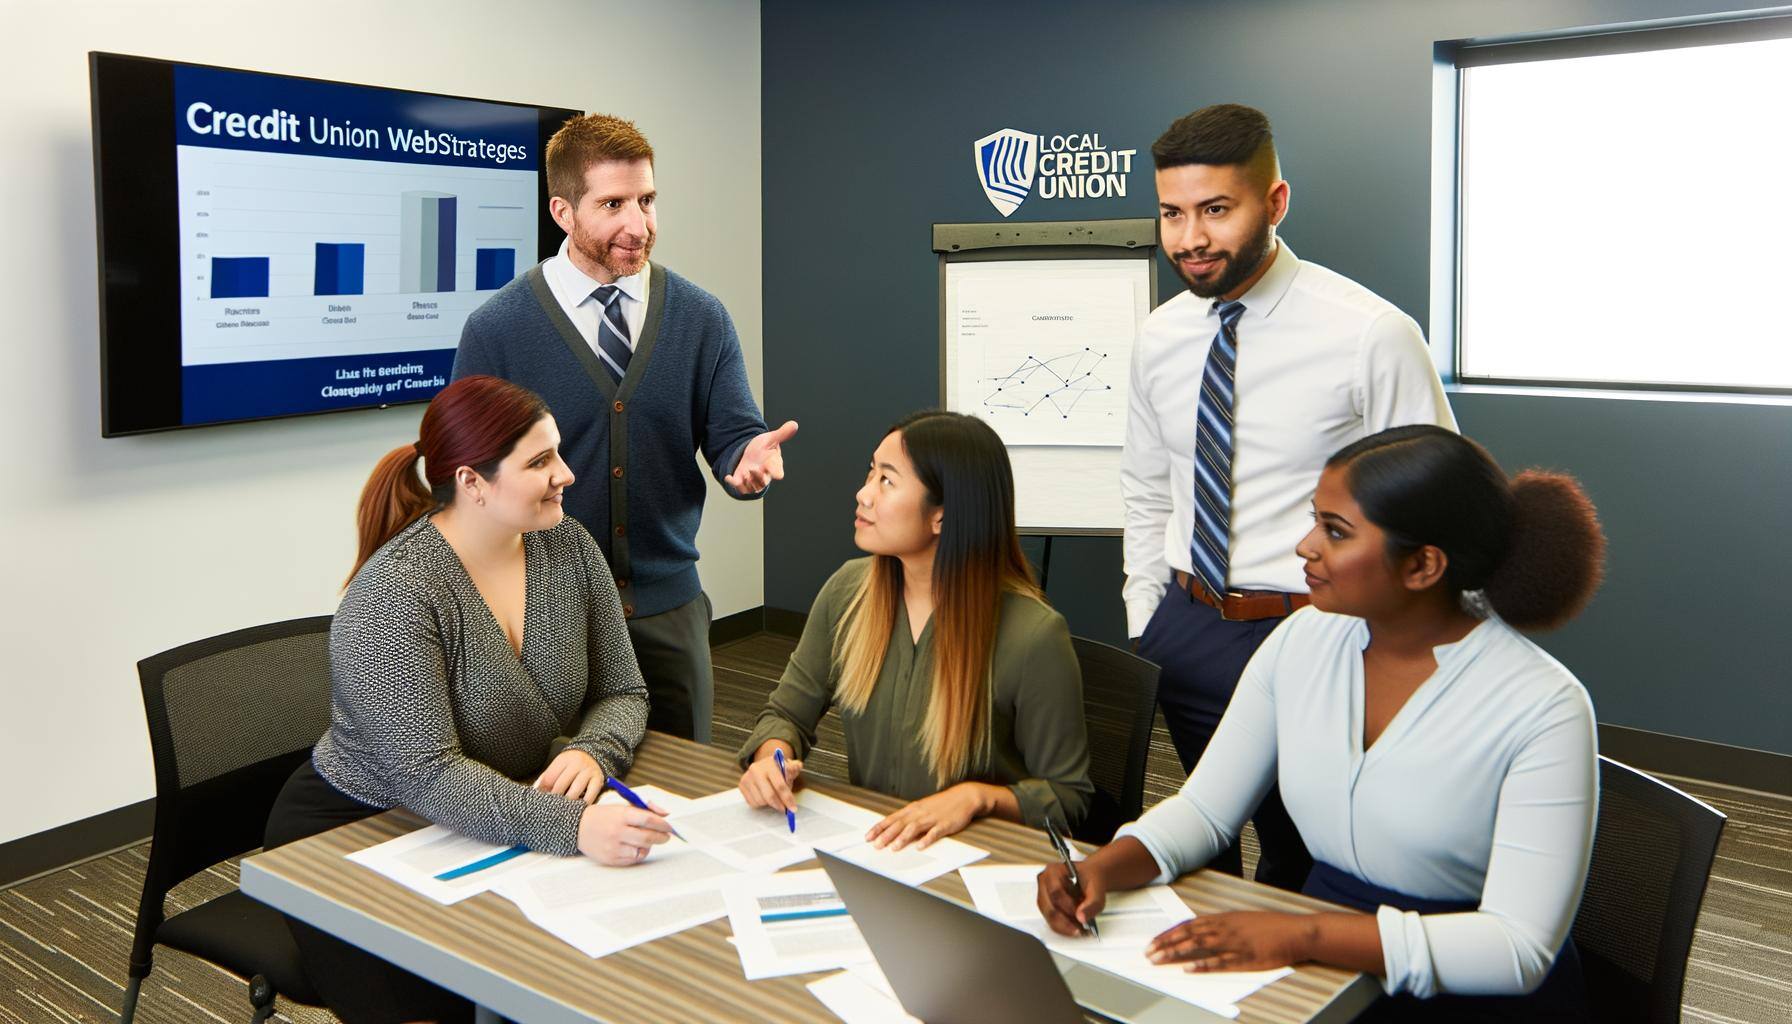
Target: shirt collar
x,y
577,282
1267,293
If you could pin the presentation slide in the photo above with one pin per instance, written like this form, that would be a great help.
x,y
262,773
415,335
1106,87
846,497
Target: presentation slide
x,y
333,238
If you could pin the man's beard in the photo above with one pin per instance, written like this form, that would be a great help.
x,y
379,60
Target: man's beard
x,y
1234,272
602,255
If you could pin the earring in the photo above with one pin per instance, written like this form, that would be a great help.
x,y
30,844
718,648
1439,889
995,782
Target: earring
x,y
482,501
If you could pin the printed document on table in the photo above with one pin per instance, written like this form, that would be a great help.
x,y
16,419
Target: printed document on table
x,y
861,995
445,865
600,928
565,884
909,865
758,838
791,923
599,909
1131,919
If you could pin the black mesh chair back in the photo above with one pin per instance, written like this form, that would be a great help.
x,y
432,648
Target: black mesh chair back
x,y
1652,855
229,719
1119,703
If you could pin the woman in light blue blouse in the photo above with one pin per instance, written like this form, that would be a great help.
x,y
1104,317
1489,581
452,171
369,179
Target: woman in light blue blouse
x,y
1440,766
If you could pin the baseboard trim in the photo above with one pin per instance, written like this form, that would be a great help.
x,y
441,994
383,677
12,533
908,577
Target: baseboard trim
x,y
738,626
785,622
1664,754
28,857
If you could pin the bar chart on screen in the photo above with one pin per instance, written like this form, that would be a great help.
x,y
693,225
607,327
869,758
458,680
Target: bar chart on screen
x,y
291,256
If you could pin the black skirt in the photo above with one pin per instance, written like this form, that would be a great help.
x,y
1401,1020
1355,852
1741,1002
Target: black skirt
x,y
357,986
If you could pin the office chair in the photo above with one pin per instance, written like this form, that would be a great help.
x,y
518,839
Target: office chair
x,y
229,718
1119,703
1652,855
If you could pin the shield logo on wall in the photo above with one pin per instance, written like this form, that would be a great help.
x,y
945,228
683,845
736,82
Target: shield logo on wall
x,y
1005,164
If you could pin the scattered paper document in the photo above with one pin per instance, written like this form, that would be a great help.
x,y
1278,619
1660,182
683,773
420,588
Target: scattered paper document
x,y
912,865
601,928
759,838
860,995
565,884
599,909
572,883
1129,921
443,864
791,923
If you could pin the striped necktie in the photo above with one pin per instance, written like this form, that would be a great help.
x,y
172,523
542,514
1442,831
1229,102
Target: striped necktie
x,y
612,331
1213,454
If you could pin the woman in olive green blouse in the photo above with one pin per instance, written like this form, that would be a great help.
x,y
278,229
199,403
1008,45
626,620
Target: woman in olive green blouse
x,y
956,683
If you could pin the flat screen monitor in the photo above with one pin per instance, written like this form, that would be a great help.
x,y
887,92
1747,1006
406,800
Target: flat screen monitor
x,y
276,246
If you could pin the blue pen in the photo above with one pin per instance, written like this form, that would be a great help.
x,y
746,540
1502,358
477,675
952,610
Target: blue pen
x,y
634,798
789,815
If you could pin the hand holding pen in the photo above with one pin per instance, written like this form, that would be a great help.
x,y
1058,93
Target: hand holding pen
x,y
635,800
1069,899
784,773
770,781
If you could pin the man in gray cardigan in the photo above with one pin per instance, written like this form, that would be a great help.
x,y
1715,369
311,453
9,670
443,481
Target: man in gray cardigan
x,y
641,369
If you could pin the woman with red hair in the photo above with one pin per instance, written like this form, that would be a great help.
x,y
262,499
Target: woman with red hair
x,y
1441,767
480,623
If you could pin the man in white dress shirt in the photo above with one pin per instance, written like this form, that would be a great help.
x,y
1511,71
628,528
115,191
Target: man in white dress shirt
x,y
1241,388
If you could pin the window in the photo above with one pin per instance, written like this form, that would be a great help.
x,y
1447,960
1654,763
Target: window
x,y
1623,215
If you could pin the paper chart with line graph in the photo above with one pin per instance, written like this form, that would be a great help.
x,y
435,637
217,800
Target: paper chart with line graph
x,y
1047,357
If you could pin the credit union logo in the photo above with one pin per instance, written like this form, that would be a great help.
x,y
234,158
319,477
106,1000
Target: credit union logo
x,y
1005,164
1074,165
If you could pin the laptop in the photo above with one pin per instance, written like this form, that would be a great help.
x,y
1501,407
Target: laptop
x,y
948,964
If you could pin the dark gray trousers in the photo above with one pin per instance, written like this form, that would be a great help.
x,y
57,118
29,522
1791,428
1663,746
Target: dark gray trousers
x,y
673,651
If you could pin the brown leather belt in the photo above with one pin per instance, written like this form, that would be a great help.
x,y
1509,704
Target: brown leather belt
x,y
1243,605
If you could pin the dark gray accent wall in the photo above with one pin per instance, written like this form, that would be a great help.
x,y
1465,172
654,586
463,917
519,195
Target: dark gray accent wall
x,y
869,115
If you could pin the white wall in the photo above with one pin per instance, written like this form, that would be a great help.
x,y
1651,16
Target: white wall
x,y
115,549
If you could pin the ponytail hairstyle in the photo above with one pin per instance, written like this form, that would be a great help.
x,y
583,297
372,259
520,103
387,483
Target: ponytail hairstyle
x,y
474,422
1532,545
964,467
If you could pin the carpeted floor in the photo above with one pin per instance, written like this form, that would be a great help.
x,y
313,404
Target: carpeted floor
x,y
65,936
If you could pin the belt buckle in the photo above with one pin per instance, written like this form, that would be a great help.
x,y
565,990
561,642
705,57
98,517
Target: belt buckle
x,y
1221,606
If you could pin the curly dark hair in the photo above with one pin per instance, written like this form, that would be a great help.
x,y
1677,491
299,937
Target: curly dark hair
x,y
1532,545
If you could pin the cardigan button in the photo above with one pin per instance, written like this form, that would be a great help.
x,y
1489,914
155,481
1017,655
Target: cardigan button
x,y
621,530
628,611
621,584
616,472
616,406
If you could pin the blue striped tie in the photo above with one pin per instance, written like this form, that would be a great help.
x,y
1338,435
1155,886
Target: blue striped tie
x,y
1213,454
612,331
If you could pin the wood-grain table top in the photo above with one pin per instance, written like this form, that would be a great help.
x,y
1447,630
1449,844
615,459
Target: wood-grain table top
x,y
695,975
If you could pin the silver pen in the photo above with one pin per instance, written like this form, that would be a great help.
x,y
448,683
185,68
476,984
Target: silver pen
x,y
1063,849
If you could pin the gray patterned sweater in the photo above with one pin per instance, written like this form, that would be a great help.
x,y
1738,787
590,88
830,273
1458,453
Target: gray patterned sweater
x,y
431,710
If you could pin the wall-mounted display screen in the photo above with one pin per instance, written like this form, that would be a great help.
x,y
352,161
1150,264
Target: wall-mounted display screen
x,y
277,246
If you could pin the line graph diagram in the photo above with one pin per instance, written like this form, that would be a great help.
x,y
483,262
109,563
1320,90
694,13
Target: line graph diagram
x,y
1054,385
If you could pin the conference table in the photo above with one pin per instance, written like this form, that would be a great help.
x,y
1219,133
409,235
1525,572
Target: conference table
x,y
484,948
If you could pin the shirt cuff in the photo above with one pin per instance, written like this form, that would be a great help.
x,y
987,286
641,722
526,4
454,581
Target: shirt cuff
x,y
1406,953
1038,802
1139,610
1164,874
556,829
773,728
603,751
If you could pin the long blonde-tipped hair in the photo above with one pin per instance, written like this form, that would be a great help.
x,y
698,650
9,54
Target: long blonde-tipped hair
x,y
964,467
